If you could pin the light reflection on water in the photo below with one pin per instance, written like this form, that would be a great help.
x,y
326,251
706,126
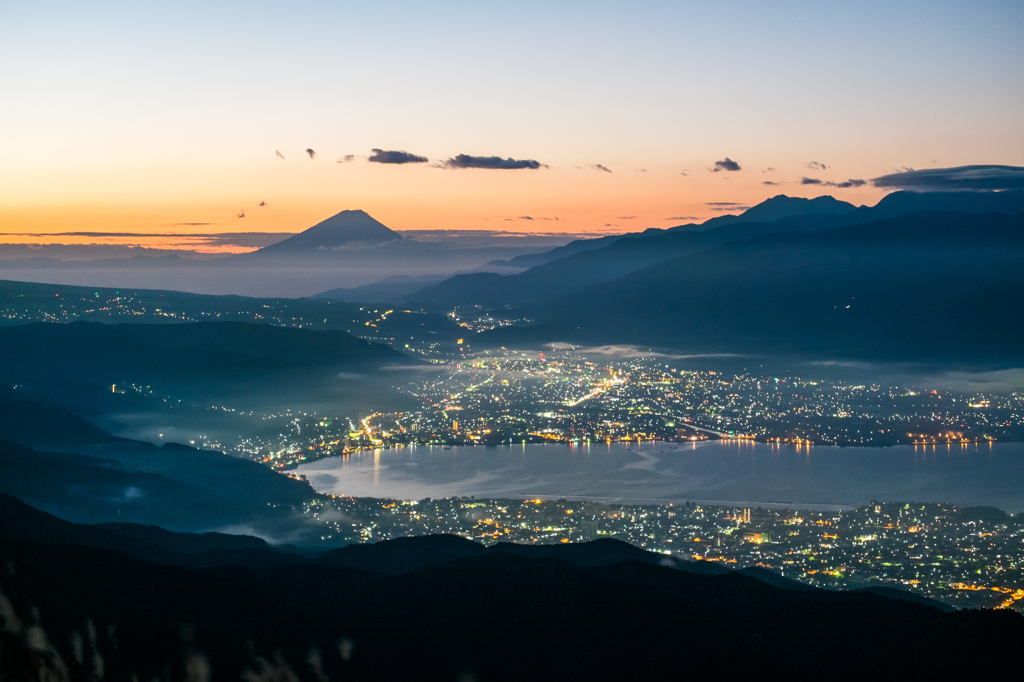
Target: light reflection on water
x,y
740,472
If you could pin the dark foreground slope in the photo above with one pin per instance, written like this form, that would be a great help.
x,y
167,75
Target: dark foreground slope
x,y
172,486
95,477
204,359
37,424
497,615
220,350
21,523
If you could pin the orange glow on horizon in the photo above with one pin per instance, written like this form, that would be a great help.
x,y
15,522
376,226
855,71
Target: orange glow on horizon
x,y
205,200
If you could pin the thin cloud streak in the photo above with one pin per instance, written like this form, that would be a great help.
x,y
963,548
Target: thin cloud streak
x,y
490,163
841,185
961,178
396,157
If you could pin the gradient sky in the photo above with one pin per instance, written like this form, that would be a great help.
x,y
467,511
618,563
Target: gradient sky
x,y
144,116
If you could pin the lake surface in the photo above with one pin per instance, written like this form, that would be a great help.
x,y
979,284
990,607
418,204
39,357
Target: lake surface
x,y
713,471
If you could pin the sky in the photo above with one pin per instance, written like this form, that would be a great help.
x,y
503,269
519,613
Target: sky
x,y
168,117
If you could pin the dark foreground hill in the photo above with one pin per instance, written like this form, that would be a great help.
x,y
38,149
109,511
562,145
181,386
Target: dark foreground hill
x,y
206,359
19,522
95,477
37,424
485,615
172,486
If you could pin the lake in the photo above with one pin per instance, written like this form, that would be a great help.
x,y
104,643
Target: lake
x,y
727,472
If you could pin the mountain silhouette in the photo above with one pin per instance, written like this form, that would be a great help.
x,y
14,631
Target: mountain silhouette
x,y
777,208
574,273
576,268
767,211
343,228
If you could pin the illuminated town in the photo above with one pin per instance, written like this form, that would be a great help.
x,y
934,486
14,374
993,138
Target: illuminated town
x,y
560,396
964,556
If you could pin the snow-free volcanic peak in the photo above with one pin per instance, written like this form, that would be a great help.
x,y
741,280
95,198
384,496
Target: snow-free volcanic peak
x,y
344,228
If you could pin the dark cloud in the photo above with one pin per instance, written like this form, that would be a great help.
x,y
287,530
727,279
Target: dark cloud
x,y
490,162
382,156
721,203
683,217
189,224
312,154
599,167
729,209
348,158
625,217
823,183
726,164
263,203
279,153
684,174
961,178
642,170
241,214
769,169
814,165
525,217
771,184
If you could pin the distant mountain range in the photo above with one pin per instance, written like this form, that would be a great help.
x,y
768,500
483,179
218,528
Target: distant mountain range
x,y
575,269
942,287
770,210
923,282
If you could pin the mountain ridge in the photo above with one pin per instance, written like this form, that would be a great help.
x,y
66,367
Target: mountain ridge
x,y
633,252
